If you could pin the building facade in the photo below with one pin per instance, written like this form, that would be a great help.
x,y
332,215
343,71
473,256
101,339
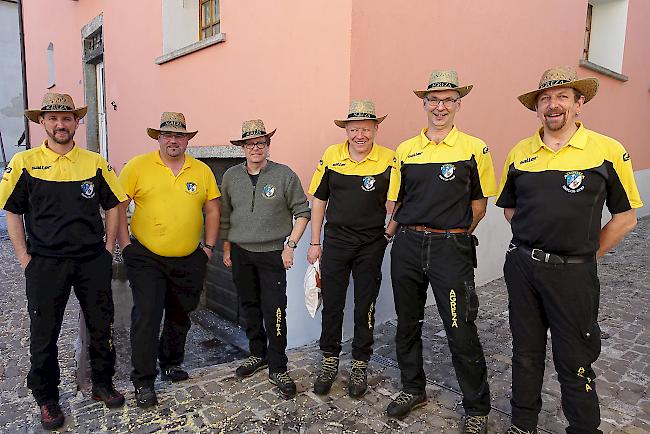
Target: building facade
x,y
297,64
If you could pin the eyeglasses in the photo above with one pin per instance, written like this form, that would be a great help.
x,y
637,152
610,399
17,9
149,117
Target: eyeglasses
x,y
257,145
447,102
170,136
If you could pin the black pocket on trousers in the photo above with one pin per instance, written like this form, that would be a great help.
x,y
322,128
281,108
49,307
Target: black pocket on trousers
x,y
472,303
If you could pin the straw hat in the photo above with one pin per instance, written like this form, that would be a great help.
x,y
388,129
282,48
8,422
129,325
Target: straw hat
x,y
444,80
252,130
56,102
360,110
563,76
171,122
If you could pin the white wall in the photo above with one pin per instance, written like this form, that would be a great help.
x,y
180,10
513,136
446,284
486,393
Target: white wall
x,y
608,24
11,86
180,23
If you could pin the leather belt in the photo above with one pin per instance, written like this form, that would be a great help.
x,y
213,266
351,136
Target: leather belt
x,y
552,258
426,229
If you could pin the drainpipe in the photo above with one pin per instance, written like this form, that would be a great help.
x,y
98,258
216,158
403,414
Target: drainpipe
x,y
21,31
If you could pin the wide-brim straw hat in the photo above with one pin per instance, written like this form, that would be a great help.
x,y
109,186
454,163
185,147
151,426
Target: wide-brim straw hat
x,y
56,102
360,110
444,80
252,129
563,76
171,122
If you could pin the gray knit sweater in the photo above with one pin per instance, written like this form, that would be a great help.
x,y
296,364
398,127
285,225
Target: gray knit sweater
x,y
260,218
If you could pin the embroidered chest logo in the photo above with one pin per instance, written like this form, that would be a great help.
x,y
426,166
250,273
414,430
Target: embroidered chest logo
x,y
88,190
368,183
268,191
573,182
447,172
191,187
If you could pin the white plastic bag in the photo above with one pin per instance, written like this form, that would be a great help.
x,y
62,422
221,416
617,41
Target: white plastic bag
x,y
313,298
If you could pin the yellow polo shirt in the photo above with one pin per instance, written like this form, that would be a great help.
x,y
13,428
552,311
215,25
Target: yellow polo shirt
x,y
168,217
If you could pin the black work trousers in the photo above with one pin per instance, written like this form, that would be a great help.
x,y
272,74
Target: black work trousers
x,y
564,298
364,261
446,262
48,285
161,283
261,280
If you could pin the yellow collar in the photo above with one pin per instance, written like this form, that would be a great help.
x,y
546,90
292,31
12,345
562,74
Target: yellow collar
x,y
449,140
578,140
52,156
344,152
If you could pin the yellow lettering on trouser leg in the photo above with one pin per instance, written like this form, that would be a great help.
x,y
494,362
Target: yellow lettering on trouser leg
x,y
452,305
278,322
372,307
581,374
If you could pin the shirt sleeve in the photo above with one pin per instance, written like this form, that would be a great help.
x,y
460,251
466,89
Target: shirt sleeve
x,y
296,199
319,186
14,195
395,182
506,197
128,178
226,208
212,189
111,192
487,183
622,191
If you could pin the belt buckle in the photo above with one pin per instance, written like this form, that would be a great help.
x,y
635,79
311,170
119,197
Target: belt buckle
x,y
546,255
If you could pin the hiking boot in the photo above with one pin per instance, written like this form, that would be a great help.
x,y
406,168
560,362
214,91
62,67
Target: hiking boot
x,y
251,366
329,369
51,415
174,374
107,393
514,430
145,396
475,425
404,403
285,384
358,383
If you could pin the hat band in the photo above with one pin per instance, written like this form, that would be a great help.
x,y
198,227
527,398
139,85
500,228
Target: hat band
x,y
553,83
57,107
253,133
362,115
174,124
441,84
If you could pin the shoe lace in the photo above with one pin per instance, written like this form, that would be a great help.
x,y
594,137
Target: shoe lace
x,y
403,398
252,361
358,372
328,368
474,424
283,378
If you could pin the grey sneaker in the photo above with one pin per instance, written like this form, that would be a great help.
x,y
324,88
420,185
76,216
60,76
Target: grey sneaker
x,y
475,425
329,369
358,384
251,366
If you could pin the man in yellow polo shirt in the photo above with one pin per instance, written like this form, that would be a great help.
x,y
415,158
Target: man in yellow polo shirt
x,y
553,189
444,178
165,259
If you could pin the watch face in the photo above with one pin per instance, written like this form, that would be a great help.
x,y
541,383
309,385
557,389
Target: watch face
x,y
292,244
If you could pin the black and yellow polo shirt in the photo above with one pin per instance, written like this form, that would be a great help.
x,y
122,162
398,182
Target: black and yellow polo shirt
x,y
356,191
435,183
558,197
60,196
168,217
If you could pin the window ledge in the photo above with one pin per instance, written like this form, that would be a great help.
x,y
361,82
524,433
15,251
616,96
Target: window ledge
x,y
605,71
224,151
195,46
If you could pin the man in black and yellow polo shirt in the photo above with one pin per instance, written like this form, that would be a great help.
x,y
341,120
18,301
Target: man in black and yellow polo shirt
x,y
59,189
351,181
553,189
444,178
165,259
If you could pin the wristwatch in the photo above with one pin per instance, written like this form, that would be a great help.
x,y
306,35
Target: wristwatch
x,y
292,244
207,246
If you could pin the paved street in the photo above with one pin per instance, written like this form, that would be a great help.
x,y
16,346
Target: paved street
x,y
215,401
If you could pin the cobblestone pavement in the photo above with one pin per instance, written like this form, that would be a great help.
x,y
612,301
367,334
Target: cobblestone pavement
x,y
215,401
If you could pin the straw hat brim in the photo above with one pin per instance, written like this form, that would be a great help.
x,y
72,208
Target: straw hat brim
x,y
586,86
343,122
154,133
462,91
33,115
240,142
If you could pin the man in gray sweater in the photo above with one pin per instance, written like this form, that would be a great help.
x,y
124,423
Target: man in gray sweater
x,y
263,204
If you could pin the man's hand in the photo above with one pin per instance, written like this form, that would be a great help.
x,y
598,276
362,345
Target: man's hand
x,y
24,260
226,259
287,257
208,252
313,254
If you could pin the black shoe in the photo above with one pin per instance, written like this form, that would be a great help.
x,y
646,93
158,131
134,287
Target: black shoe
x,y
285,384
174,374
145,396
51,415
475,425
514,430
404,403
358,383
251,366
329,369
107,393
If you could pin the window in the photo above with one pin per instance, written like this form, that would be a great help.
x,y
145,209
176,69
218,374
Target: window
x,y
604,40
208,18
